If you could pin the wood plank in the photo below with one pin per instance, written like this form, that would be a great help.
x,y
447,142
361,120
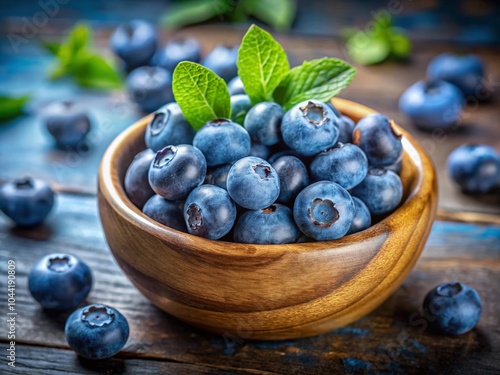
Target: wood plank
x,y
391,338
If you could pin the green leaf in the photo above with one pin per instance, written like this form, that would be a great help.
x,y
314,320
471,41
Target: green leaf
x,y
262,64
279,14
400,43
367,49
12,107
77,40
201,94
194,11
319,79
51,47
93,71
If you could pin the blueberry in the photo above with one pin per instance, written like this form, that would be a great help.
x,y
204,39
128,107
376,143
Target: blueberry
x,y
346,127
165,212
271,225
60,281
176,170
222,61
222,141
475,168
293,177
253,183
432,105
150,87
464,71
235,86
259,150
396,167
96,331
168,127
67,123
310,127
263,123
218,177
333,108
136,182
240,105
27,201
452,308
346,165
362,218
376,136
286,152
209,212
175,51
324,211
135,43
381,191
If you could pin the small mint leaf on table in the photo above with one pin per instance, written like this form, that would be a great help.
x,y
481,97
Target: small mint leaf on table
x,y
11,107
367,49
93,71
262,64
194,11
279,14
201,94
319,79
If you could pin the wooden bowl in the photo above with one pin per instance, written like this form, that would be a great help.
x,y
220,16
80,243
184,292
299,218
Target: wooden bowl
x,y
267,292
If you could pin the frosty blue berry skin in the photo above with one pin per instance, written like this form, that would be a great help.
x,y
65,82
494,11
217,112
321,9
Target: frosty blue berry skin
x,y
240,105
136,183
150,87
166,212
222,61
346,127
263,122
362,218
168,127
235,86
26,201
67,122
218,176
270,225
293,177
60,281
209,212
96,331
175,51
324,211
310,127
452,308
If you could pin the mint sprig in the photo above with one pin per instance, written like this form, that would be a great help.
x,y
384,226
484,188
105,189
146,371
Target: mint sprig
x,y
201,94
11,107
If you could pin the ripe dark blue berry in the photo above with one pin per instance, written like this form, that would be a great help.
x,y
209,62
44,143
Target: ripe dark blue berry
x,y
168,127
222,61
166,212
346,127
253,183
293,177
68,123
452,308
218,176
362,218
27,201
60,281
176,171
150,87
263,123
310,127
209,212
222,141
235,86
96,331
175,51
259,150
136,182
240,105
324,211
271,225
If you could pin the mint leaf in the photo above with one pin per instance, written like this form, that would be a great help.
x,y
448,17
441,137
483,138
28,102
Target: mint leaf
x,y
77,40
262,64
401,45
93,71
12,107
279,14
319,79
367,50
51,47
201,94
194,11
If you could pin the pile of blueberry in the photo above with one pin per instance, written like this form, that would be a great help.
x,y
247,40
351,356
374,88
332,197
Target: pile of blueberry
x,y
308,173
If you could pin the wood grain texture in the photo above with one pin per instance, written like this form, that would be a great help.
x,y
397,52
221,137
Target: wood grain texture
x,y
271,291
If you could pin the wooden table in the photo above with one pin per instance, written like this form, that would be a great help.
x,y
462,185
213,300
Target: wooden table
x,y
464,244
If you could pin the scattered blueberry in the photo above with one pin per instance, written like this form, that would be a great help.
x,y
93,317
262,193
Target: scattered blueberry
x,y
324,211
222,61
175,51
376,136
362,218
432,105
136,182
381,191
176,171
310,127
271,225
209,212
235,86
259,150
96,331
253,183
218,177
346,128
453,308
135,43
475,168
150,87
67,123
165,212
60,281
464,71
27,201
168,127
240,105
263,123
293,177
346,165
222,141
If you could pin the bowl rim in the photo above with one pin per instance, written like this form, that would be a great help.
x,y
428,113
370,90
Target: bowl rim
x,y
110,188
